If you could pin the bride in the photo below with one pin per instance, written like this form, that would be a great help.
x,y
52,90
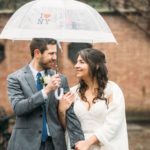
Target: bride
x,y
98,104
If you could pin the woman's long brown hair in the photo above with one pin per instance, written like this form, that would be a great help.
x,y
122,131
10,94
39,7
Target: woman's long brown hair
x,y
97,70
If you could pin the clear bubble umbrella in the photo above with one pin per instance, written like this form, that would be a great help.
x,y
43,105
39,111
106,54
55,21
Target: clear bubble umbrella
x,y
64,20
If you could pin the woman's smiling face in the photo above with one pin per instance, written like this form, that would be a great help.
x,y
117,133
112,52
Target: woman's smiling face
x,y
82,68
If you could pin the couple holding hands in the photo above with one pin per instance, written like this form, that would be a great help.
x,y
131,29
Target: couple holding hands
x,y
89,116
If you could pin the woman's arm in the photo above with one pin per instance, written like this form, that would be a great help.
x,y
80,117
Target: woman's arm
x,y
115,117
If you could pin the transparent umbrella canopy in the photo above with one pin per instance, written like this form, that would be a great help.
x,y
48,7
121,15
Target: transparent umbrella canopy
x,y
64,20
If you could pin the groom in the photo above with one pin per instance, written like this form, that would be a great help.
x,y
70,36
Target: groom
x,y
38,124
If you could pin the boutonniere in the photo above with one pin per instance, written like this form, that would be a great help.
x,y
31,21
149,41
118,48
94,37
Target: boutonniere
x,y
45,80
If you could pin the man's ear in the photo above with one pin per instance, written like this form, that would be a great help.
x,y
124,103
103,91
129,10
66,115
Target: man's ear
x,y
37,52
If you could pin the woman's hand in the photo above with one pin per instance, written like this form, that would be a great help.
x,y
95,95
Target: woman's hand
x,y
66,101
82,145
64,104
85,145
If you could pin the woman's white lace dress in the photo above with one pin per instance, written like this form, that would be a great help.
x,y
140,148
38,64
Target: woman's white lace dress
x,y
107,123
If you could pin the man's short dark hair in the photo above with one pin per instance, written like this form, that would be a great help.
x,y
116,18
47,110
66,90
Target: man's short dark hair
x,y
41,44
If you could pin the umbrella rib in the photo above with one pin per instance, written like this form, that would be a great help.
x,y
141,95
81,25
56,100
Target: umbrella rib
x,y
34,2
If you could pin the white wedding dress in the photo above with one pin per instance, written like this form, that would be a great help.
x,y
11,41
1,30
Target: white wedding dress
x,y
108,124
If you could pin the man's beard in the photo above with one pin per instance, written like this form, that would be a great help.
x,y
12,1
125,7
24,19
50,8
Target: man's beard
x,y
47,65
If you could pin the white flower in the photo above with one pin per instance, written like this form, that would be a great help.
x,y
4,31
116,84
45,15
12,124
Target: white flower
x,y
46,79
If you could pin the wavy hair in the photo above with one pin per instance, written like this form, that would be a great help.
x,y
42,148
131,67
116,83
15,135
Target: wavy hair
x,y
97,70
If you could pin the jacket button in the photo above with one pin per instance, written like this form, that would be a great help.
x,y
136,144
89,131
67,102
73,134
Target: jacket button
x,y
40,131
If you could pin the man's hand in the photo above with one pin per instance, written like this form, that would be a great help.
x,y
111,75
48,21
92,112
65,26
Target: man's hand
x,y
53,84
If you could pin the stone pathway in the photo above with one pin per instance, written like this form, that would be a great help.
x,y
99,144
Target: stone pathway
x,y
139,136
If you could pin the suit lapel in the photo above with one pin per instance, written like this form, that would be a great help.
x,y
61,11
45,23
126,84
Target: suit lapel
x,y
31,82
30,79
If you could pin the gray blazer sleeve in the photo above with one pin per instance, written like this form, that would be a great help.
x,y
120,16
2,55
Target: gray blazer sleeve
x,y
74,128
73,125
22,99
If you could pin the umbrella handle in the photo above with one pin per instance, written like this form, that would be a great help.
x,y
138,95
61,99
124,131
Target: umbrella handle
x,y
59,94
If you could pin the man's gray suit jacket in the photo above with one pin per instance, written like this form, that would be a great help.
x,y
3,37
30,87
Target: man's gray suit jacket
x,y
26,102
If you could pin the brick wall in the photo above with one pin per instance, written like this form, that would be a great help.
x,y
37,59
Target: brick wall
x,y
128,62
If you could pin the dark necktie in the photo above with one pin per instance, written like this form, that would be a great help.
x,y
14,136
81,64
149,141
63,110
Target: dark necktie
x,y
39,86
